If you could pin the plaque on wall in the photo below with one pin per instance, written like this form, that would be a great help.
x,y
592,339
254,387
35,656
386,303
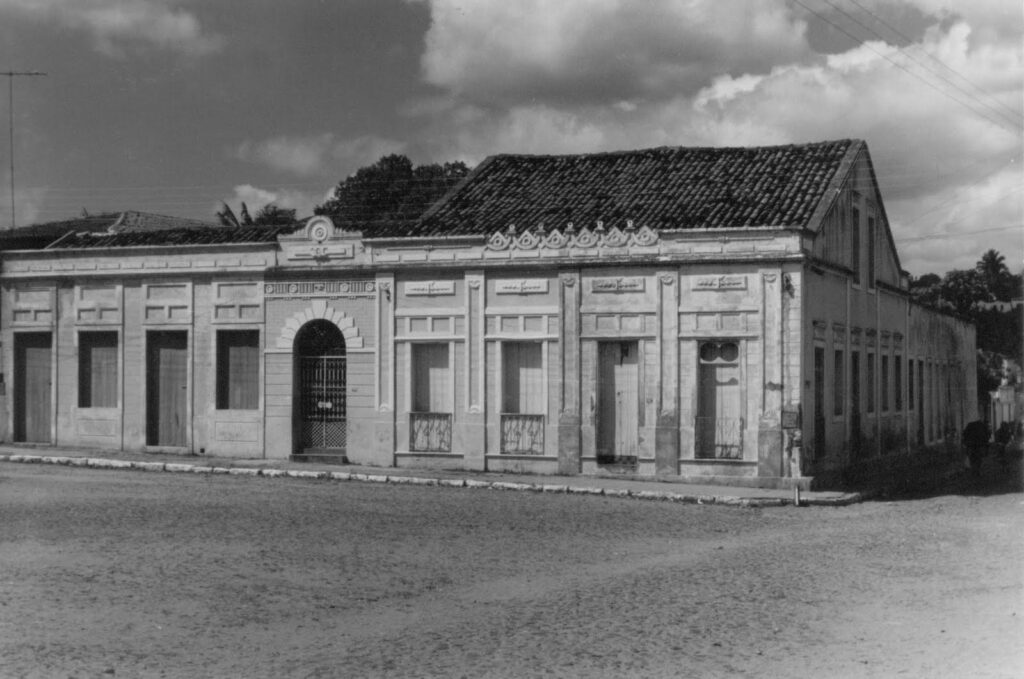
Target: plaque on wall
x,y
356,288
429,288
720,283
621,284
521,286
320,251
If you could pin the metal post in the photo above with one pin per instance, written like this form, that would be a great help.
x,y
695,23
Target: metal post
x,y
10,94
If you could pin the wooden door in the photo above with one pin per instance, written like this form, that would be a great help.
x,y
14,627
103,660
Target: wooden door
x,y
32,397
618,431
167,389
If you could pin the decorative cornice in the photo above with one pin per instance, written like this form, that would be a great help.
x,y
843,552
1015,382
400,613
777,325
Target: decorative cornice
x,y
557,239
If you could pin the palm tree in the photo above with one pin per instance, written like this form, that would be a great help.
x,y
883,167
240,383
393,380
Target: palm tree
x,y
997,277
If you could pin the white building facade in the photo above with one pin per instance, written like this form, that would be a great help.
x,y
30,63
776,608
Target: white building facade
x,y
733,315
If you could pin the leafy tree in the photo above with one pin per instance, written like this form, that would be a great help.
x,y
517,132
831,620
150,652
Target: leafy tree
x,y
390,191
1000,334
268,215
964,289
272,215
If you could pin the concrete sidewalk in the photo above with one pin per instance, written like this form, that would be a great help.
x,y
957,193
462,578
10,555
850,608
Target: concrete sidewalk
x,y
642,489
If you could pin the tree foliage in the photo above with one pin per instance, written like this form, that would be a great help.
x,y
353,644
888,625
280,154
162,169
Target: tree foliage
x,y
969,292
268,215
392,190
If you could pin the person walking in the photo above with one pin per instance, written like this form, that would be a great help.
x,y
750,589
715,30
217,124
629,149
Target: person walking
x,y
975,441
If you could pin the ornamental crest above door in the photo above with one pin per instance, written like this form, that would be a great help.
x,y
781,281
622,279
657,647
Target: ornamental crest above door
x,y
320,242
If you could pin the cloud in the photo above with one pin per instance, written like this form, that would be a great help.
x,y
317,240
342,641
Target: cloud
x,y
116,25
29,203
312,155
495,52
957,225
255,198
928,138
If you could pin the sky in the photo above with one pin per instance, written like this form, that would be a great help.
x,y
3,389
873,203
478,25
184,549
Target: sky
x,y
175,106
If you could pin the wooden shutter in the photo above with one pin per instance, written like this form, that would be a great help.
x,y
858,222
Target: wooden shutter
x,y
431,379
97,370
238,369
523,385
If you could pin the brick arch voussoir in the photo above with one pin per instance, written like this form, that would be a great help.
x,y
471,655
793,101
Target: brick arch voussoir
x,y
319,310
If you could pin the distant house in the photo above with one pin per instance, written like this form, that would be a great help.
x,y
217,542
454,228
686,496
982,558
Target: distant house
x,y
1002,306
728,314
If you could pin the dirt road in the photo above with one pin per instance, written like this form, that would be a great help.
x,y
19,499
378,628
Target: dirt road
x,y
168,575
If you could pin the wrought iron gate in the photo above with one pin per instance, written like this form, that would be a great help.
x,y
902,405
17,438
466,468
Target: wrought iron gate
x,y
322,402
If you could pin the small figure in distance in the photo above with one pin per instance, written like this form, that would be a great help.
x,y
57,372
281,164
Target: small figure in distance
x,y
1004,434
975,441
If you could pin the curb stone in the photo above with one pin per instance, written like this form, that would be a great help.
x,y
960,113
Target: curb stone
x,y
271,472
452,483
583,490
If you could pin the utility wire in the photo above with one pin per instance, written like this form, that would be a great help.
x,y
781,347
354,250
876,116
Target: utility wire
x,y
1016,120
929,236
900,66
937,60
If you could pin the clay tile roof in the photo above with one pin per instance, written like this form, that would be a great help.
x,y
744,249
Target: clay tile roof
x,y
663,188
211,235
37,236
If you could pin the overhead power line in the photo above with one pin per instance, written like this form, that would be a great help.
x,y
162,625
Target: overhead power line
x,y
938,61
1013,119
980,113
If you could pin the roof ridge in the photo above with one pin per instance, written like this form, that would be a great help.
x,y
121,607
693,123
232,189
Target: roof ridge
x,y
666,147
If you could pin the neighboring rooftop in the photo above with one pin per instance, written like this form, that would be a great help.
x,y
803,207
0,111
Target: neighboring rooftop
x,y
662,188
211,235
38,236
668,188
132,228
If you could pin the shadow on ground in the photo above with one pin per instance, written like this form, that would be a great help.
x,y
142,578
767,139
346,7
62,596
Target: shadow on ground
x,y
996,477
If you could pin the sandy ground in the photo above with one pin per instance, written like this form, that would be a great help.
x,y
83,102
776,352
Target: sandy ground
x,y
137,574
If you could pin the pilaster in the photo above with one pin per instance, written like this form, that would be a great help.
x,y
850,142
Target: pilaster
x,y
569,401
666,433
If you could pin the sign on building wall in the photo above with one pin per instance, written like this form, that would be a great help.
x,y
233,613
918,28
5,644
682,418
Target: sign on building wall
x,y
322,287
621,284
429,288
521,286
720,283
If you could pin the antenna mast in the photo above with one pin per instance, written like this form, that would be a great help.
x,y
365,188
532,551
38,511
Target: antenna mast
x,y
11,75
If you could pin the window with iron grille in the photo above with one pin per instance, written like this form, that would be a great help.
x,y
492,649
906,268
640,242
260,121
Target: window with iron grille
x,y
430,418
97,369
238,369
522,416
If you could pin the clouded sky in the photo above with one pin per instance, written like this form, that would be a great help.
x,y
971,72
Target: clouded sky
x,y
172,106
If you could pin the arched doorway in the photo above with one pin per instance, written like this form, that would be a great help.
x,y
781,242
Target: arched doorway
x,y
320,397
